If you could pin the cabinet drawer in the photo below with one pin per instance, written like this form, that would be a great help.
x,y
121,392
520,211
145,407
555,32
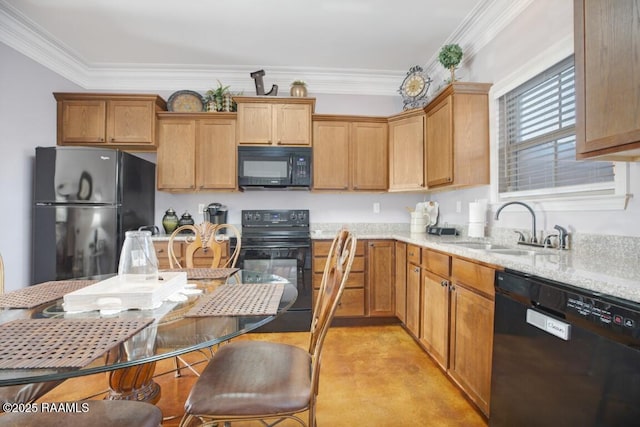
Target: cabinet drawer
x,y
351,303
474,276
413,254
321,248
162,253
436,262
355,280
319,263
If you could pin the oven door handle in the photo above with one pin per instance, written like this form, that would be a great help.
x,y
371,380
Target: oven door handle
x,y
277,246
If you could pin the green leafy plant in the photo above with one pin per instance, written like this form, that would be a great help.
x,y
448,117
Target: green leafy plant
x,y
450,56
298,82
216,95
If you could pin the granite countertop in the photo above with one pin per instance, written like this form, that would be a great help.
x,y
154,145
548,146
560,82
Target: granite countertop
x,y
606,272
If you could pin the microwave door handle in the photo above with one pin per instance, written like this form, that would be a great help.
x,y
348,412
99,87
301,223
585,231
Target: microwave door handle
x,y
290,174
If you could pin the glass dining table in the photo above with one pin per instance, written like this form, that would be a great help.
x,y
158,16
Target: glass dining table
x,y
170,332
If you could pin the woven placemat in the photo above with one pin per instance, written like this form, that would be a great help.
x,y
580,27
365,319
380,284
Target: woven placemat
x,y
62,343
206,273
42,293
240,300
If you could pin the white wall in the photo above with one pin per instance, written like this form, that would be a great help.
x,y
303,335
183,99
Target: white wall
x,y
544,23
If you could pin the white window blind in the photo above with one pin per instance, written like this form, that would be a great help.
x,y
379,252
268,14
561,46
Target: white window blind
x,y
537,136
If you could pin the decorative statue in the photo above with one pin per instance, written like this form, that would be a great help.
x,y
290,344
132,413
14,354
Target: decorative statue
x,y
257,76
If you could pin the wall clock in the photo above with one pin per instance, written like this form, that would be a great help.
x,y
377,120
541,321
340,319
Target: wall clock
x,y
414,88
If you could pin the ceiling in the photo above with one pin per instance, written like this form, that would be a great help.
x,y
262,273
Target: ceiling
x,y
163,44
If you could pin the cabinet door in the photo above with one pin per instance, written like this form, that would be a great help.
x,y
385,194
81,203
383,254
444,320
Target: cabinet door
x,y
82,122
176,154
330,155
440,144
130,122
607,78
401,281
292,124
406,154
369,143
434,317
216,154
255,123
380,263
413,299
471,343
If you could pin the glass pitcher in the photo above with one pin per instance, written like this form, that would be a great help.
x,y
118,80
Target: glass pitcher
x,y
138,261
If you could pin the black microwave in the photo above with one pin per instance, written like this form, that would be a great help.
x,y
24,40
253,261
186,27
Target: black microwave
x,y
274,168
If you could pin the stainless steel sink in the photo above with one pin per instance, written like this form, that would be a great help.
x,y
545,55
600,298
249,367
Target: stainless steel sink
x,y
479,245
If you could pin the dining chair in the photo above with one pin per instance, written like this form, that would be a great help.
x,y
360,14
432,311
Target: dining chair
x,y
212,239
257,380
94,413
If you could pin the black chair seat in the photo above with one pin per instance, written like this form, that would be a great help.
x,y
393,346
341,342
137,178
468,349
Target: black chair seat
x,y
99,413
253,378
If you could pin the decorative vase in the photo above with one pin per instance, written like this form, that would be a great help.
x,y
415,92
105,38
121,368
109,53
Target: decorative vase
x,y
298,91
185,219
170,221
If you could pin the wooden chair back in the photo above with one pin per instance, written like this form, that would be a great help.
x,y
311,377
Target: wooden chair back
x,y
210,239
334,278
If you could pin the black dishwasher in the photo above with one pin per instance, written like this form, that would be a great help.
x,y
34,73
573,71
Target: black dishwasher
x,y
563,356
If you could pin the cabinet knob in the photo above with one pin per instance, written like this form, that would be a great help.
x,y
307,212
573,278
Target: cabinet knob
x,y
101,139
416,269
160,251
113,139
444,283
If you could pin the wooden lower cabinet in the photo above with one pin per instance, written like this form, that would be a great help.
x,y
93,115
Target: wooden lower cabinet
x,y
471,329
414,273
434,317
369,291
401,281
200,258
352,302
380,268
449,311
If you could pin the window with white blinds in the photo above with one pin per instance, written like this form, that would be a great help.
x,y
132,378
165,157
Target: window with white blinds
x,y
537,142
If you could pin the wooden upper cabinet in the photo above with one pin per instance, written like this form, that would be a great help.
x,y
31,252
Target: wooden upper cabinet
x,y
406,151
349,153
457,141
369,164
117,120
196,151
607,64
331,155
274,121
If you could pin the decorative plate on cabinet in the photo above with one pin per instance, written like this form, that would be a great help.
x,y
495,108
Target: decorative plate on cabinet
x,y
185,101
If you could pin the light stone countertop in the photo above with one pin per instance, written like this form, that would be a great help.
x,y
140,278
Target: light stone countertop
x,y
607,272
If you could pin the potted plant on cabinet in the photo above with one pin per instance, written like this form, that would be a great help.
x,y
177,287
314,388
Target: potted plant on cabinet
x,y
450,56
218,99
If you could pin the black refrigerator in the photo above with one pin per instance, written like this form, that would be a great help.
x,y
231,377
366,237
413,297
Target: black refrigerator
x,y
84,200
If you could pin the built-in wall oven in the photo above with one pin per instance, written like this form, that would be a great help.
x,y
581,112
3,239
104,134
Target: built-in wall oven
x,y
278,242
563,356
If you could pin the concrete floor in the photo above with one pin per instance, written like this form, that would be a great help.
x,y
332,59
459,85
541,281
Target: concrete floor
x,y
375,375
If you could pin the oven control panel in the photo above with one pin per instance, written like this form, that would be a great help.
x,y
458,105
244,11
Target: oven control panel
x,y
282,217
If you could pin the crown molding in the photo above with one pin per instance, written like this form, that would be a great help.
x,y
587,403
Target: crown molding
x,y
487,19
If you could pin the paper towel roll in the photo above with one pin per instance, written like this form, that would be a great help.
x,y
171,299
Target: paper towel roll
x,y
477,212
476,229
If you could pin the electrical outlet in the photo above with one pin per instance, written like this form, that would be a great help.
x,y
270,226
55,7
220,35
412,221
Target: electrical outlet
x,y
458,206
200,208
376,207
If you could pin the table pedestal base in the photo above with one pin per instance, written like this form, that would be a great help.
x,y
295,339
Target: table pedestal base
x,y
134,383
